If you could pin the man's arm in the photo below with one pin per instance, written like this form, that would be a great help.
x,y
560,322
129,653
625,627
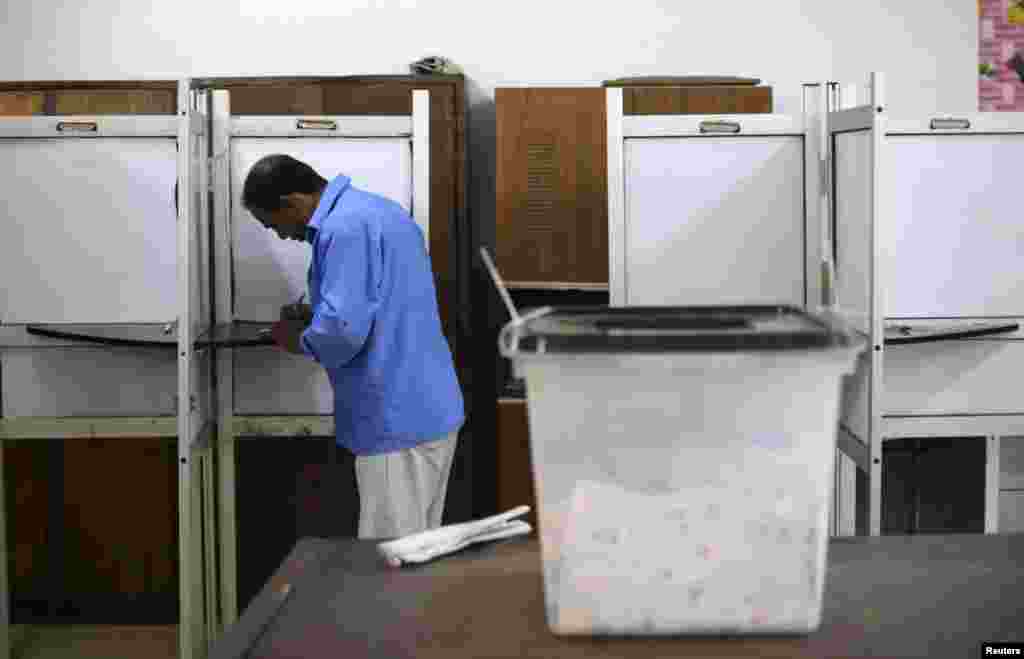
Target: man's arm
x,y
350,277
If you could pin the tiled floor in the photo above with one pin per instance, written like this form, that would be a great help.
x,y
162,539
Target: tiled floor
x,y
93,642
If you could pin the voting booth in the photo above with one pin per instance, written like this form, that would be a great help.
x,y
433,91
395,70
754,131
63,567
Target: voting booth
x,y
100,250
925,238
265,393
713,209
130,316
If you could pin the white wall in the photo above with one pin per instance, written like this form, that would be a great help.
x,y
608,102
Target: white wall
x,y
927,47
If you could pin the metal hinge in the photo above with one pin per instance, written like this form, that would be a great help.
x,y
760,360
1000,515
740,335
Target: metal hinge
x,y
193,403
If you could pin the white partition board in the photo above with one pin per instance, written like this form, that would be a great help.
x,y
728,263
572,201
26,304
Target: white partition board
x,y
89,382
268,381
89,230
966,377
714,220
951,233
853,176
269,272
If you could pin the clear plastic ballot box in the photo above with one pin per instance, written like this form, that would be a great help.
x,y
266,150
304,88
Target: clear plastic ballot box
x,y
683,462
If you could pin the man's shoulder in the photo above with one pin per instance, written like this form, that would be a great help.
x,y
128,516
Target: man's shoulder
x,y
357,200
361,211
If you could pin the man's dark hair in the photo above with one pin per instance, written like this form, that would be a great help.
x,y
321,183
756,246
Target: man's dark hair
x,y
275,176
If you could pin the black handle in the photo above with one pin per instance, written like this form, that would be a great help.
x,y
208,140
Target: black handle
x,y
907,334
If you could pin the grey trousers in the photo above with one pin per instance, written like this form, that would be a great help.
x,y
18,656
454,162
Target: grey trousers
x,y
403,492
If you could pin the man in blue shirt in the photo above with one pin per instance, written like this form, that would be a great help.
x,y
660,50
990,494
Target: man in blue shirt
x,y
373,324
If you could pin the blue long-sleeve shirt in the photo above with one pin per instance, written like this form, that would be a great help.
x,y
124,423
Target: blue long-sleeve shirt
x,y
376,328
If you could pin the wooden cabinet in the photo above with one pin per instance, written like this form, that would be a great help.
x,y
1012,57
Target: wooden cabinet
x,y
92,530
552,174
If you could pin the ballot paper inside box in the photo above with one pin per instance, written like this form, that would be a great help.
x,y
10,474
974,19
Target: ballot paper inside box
x,y
718,558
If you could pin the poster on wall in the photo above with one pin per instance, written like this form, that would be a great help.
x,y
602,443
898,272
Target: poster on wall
x,y
1001,55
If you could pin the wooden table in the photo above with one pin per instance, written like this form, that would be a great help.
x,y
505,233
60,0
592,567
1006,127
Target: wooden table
x,y
891,596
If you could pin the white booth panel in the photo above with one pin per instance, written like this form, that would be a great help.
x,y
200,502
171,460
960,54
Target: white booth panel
x,y
714,220
89,382
951,233
853,180
90,233
954,377
270,272
268,381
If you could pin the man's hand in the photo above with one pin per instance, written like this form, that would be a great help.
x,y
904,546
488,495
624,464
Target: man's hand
x,y
302,312
286,334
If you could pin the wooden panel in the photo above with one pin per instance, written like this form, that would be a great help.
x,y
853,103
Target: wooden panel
x,y
87,85
373,98
299,99
20,103
697,100
27,500
120,521
115,102
552,187
515,474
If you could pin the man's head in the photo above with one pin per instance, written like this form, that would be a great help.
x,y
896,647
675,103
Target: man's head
x,y
282,193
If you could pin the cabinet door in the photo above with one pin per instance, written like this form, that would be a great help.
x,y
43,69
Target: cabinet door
x,y
714,220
